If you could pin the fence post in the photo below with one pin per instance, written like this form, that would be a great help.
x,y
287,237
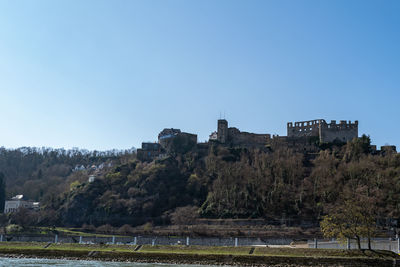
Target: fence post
x,y
56,239
135,240
348,243
187,241
236,242
80,240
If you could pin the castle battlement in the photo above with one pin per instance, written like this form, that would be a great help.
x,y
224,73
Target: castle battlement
x,y
304,128
342,125
327,132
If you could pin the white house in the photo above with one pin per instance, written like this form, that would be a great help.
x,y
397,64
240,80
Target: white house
x,y
17,202
92,178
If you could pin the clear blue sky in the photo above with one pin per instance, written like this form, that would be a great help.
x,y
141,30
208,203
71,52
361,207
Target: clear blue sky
x,y
111,74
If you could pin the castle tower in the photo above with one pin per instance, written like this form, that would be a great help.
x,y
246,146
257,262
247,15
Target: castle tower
x,y
222,131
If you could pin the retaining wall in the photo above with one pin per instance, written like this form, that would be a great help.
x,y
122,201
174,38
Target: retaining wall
x,y
152,240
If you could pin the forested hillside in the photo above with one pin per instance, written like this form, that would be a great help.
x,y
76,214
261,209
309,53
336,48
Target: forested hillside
x,y
278,184
237,183
38,173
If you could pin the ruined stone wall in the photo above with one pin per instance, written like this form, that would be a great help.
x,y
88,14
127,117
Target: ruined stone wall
x,y
191,137
149,151
147,155
327,132
245,139
388,149
343,131
179,143
299,144
303,128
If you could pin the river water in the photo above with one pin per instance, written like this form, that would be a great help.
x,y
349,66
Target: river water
x,y
23,262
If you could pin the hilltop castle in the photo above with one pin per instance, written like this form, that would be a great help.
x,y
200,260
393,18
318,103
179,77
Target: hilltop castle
x,y
304,136
299,131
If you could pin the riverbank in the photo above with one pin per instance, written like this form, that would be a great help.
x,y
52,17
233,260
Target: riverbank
x,y
235,256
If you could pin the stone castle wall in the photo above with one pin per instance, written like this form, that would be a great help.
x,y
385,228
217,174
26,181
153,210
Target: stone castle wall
x,y
303,128
234,137
327,132
245,139
299,144
343,132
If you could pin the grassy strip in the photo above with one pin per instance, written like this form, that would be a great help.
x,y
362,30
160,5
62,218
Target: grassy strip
x,y
70,232
205,255
46,231
203,250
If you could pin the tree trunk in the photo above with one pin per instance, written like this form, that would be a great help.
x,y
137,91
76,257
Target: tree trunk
x,y
358,242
